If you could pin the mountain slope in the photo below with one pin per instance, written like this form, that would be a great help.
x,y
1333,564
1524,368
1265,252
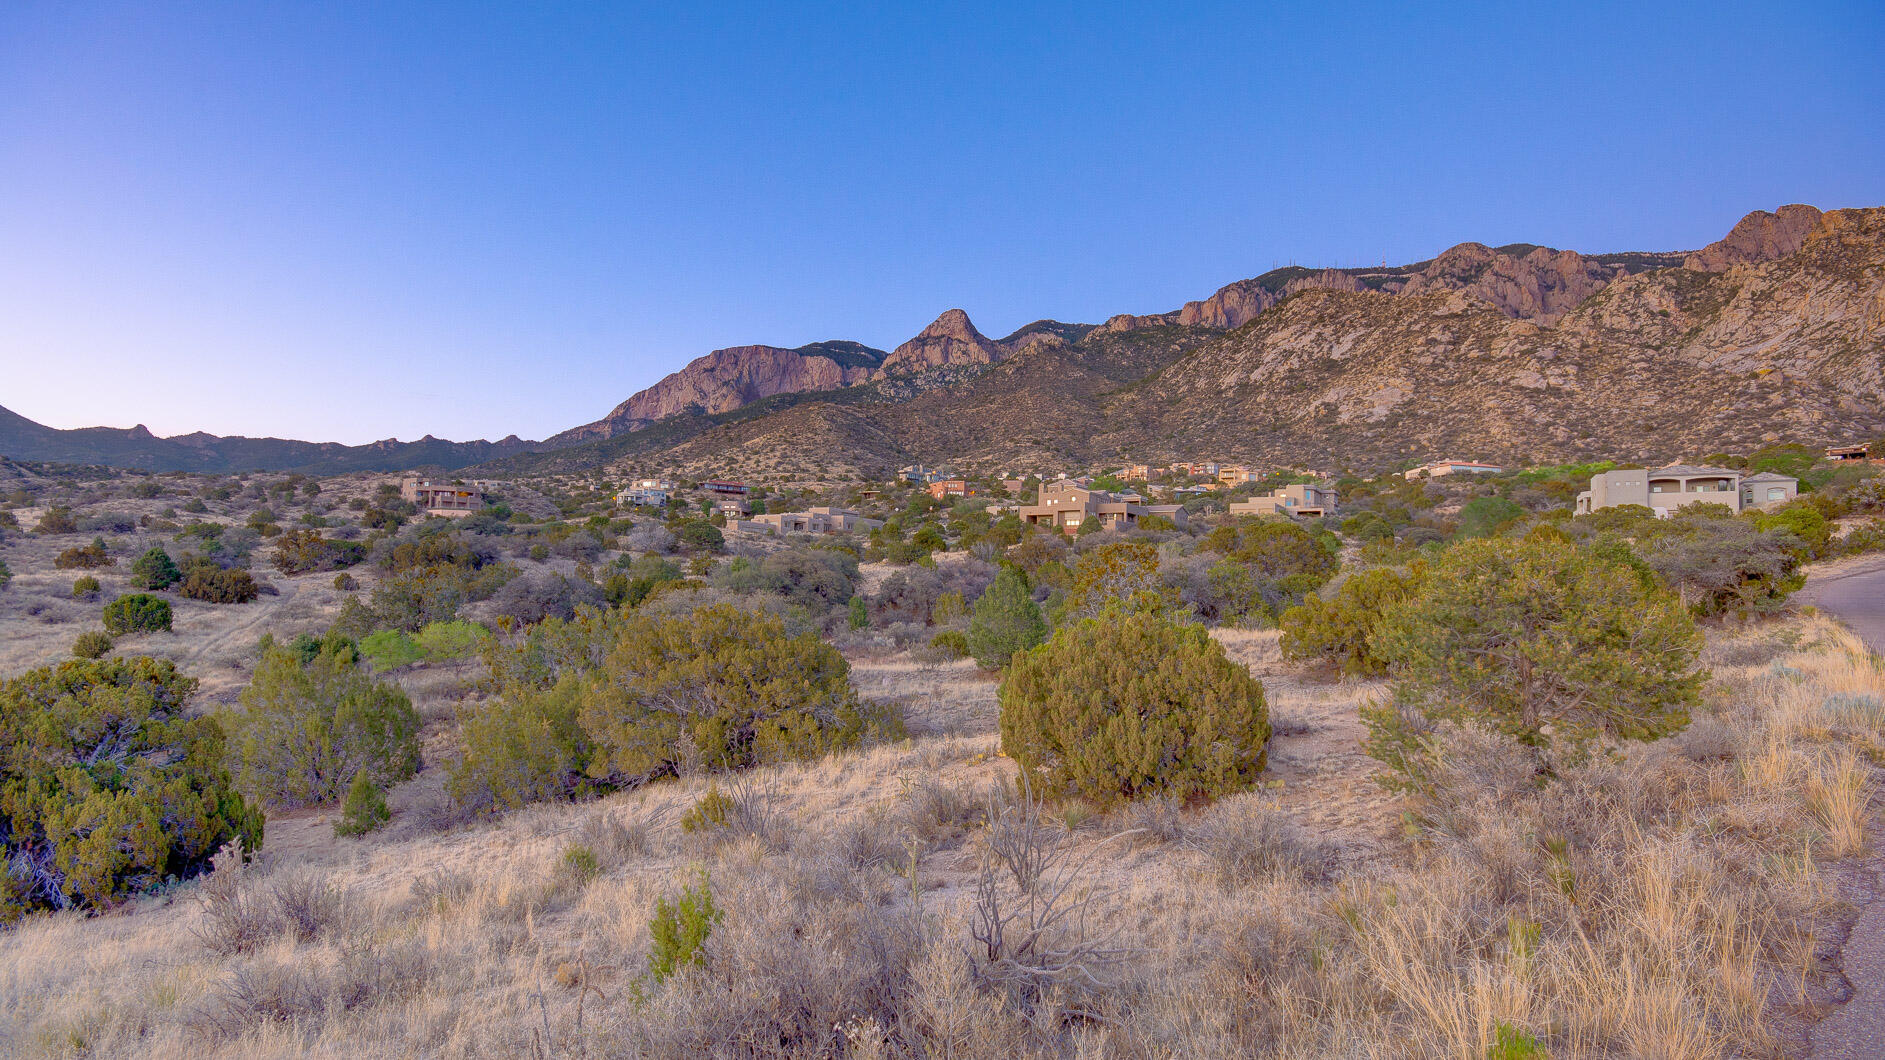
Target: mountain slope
x,y
1659,361
137,447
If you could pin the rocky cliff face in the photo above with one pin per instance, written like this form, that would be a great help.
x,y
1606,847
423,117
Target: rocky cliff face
x,y
1760,236
1657,364
727,379
951,339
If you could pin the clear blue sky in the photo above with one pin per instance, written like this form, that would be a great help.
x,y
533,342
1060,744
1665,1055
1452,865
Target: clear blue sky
x,y
354,221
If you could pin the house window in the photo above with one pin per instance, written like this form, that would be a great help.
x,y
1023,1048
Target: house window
x,y
1776,493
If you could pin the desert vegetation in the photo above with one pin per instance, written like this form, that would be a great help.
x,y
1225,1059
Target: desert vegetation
x,y
562,779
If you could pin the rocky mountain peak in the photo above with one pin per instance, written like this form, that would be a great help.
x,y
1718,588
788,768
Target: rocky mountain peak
x,y
1760,236
950,339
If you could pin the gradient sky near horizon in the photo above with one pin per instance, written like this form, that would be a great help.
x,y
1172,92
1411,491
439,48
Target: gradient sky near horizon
x,y
355,221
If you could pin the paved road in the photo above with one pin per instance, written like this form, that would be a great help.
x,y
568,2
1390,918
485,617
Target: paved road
x,y
1856,1031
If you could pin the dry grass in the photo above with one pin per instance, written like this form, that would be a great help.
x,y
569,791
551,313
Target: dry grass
x,y
1671,901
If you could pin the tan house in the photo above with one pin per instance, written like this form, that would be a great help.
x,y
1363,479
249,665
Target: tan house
x,y
1237,476
454,500
1665,489
1067,504
732,507
1848,452
949,487
815,521
1443,468
1135,473
1304,499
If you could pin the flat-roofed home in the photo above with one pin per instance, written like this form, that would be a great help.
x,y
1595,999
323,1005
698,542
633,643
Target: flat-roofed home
x,y
732,507
1307,500
662,484
642,495
727,489
1443,468
1665,489
1066,504
1848,452
823,520
1767,490
1135,472
949,487
1237,476
455,500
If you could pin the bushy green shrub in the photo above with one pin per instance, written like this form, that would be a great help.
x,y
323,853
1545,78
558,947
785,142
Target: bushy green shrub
x,y
1340,630
1554,644
1124,573
307,730
91,644
857,614
614,699
137,613
212,584
1277,549
85,587
1485,516
701,536
1006,620
109,785
155,570
6,574
679,930
57,520
301,551
345,582
711,811
86,558
390,649
364,808
952,642
1132,704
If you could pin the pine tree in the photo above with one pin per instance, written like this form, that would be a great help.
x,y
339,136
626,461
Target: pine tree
x,y
155,570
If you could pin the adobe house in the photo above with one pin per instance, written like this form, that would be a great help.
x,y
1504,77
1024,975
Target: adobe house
x,y
453,500
1848,452
822,520
949,487
726,489
1306,499
1066,504
1665,489
1443,468
1238,476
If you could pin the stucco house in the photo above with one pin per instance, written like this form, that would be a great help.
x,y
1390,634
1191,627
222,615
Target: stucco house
x,y
1443,468
1066,504
1664,489
454,500
642,495
948,487
1304,499
822,520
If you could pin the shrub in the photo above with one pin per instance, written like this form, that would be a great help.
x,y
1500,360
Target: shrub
x,y
155,570
711,811
6,574
1546,641
91,644
212,584
302,551
85,587
952,643
1725,565
86,558
1122,573
137,613
614,699
679,930
857,615
1131,704
390,649
1006,620
364,809
57,520
702,536
109,785
1486,516
731,686
345,582
1277,549
307,730
1340,630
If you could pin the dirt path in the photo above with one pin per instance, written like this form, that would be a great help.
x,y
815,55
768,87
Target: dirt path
x,y
1856,1030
